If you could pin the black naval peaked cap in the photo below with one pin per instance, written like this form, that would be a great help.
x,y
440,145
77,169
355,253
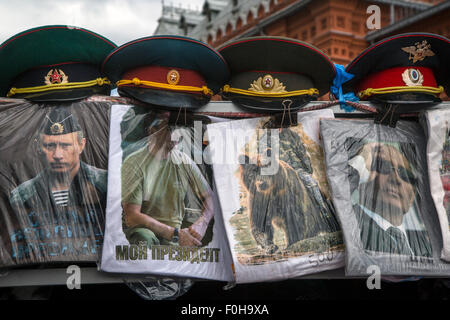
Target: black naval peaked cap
x,y
54,63
60,121
271,73
406,69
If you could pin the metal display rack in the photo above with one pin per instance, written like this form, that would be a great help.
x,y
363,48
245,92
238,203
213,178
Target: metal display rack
x,y
92,275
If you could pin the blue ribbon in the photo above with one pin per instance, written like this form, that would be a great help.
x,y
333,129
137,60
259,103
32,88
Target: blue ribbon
x,y
336,89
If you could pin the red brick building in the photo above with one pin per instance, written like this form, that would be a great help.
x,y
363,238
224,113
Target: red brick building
x,y
338,27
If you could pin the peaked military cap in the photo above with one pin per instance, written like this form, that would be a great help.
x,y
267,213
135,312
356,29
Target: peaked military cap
x,y
406,69
271,73
54,63
60,121
167,71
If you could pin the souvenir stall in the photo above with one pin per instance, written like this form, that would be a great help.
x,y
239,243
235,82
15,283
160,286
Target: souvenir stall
x,y
259,161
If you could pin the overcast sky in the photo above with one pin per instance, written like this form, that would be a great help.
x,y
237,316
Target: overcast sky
x,y
118,20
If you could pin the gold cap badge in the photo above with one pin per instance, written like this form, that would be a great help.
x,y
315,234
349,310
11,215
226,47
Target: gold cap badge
x,y
412,77
56,76
173,77
57,128
267,84
420,51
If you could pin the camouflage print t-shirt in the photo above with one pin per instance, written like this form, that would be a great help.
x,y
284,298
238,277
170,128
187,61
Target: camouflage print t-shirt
x,y
160,186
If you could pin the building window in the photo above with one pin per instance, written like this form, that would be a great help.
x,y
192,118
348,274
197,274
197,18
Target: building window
x,y
323,23
271,5
228,29
351,54
343,52
336,51
313,31
341,22
260,11
304,35
249,17
239,23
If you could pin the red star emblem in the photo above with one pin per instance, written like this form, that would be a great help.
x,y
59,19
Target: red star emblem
x,y
55,77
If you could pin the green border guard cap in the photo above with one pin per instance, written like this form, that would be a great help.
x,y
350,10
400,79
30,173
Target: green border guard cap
x,y
54,63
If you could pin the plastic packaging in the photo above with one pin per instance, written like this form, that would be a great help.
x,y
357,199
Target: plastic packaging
x,y
160,289
53,179
437,123
158,182
274,195
380,189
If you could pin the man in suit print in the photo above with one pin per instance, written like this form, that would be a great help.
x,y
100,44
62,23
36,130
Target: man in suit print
x,y
384,191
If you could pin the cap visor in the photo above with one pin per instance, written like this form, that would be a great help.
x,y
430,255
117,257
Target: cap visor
x,y
65,95
164,99
271,105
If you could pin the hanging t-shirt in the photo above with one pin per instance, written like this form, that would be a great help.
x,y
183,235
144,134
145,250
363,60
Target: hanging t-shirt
x,y
158,177
380,189
437,123
53,182
275,198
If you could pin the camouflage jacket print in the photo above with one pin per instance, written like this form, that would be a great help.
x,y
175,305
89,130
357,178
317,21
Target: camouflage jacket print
x,y
88,188
43,231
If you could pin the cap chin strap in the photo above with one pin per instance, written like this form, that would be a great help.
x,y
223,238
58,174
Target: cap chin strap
x,y
59,86
309,92
370,91
137,82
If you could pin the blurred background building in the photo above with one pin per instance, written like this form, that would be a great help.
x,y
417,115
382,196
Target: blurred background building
x,y
337,27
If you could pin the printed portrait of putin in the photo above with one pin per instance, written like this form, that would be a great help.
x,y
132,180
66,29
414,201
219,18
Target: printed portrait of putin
x,y
384,184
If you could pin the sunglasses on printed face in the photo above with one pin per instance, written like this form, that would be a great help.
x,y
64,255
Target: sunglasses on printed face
x,y
385,167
